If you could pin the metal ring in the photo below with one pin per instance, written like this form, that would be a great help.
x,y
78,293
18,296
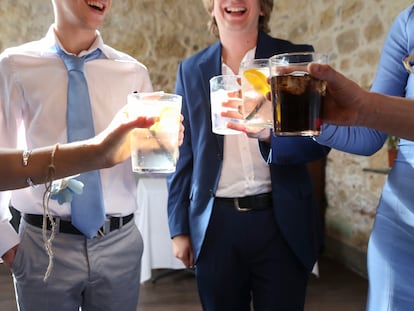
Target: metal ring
x,y
407,63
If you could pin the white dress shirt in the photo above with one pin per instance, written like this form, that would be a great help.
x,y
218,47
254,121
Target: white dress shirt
x,y
33,94
244,170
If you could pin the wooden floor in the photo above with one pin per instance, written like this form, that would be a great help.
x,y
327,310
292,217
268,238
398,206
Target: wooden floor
x,y
337,289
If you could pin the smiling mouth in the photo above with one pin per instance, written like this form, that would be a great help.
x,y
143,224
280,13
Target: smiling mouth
x,y
96,5
235,10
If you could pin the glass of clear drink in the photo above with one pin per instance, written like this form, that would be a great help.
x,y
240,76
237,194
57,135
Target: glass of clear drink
x,y
257,110
226,102
297,97
154,150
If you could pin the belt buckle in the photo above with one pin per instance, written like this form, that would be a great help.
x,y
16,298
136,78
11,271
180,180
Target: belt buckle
x,y
240,209
105,229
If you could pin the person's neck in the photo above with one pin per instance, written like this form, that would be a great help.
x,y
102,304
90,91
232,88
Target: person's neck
x,y
75,40
235,47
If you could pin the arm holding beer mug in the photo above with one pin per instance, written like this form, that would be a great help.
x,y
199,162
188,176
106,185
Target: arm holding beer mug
x,y
346,103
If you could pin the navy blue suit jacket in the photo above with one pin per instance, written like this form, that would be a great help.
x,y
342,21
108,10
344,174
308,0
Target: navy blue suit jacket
x,y
193,186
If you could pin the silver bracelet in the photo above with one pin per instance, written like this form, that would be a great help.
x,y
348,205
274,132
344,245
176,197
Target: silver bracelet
x,y
25,157
25,162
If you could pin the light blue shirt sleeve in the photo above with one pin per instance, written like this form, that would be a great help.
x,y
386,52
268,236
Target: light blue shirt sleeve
x,y
352,139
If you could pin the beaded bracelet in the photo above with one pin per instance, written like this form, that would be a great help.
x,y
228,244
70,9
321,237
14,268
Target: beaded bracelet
x,y
46,213
51,167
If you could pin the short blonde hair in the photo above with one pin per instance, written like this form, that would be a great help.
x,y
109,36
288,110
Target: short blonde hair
x,y
265,5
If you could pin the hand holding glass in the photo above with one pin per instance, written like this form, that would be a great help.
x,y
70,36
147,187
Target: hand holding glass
x,y
226,103
297,97
154,150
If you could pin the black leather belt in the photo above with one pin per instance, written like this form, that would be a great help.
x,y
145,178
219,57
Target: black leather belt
x,y
249,203
65,226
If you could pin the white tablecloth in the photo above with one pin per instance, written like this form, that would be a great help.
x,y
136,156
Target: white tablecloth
x,y
151,219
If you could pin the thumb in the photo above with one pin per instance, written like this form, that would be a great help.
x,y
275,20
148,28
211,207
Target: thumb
x,y
321,71
328,74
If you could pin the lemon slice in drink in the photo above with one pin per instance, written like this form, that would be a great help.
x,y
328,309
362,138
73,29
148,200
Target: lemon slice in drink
x,y
258,80
168,117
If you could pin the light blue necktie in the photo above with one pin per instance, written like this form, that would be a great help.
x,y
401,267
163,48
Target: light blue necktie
x,y
87,209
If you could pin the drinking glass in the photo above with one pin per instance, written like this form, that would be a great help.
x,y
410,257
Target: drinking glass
x,y
154,150
225,95
297,97
257,110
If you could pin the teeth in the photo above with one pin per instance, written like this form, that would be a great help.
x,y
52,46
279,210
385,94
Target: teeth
x,y
235,10
96,4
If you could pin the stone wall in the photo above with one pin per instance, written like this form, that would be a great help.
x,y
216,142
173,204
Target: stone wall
x,y
160,33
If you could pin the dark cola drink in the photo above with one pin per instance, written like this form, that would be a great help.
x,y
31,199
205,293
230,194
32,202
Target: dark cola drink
x,y
297,106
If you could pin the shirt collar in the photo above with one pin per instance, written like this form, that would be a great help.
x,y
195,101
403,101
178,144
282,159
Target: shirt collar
x,y
53,40
248,56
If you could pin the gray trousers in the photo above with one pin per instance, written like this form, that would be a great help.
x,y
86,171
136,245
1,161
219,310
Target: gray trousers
x,y
91,275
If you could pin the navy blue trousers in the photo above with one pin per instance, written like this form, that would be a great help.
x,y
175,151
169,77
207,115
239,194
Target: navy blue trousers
x,y
245,262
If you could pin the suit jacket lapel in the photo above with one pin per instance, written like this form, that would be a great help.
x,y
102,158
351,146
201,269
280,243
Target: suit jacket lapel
x,y
268,46
210,66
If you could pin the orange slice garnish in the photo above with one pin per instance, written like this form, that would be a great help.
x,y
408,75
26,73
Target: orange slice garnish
x,y
258,80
